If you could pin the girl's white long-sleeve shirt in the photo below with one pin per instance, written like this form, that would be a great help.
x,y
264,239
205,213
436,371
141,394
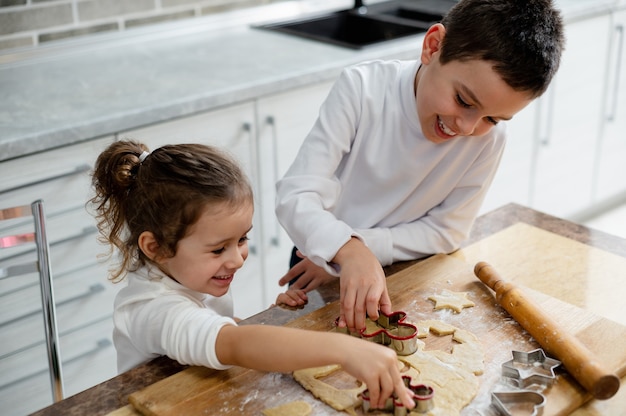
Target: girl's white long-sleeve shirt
x,y
154,315
366,170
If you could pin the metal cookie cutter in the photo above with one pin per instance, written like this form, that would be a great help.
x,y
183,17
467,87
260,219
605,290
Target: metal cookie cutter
x,y
506,401
532,367
392,331
422,395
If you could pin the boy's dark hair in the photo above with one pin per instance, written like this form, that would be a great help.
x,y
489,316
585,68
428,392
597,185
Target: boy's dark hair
x,y
164,192
523,38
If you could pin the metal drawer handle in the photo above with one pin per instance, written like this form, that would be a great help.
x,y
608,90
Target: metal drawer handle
x,y
78,169
91,290
247,127
90,229
620,50
101,344
22,269
275,239
18,270
545,136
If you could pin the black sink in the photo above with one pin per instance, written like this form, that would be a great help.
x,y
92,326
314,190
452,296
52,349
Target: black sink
x,y
362,26
348,28
412,14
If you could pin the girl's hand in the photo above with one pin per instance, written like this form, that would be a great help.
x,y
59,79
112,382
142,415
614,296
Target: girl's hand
x,y
293,298
311,276
377,367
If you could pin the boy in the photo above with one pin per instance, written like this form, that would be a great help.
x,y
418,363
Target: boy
x,y
403,152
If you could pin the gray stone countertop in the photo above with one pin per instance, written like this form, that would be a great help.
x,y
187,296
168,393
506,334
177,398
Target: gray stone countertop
x,y
80,90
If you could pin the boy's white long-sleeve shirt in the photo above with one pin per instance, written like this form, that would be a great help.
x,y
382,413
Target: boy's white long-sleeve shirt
x,y
155,315
367,170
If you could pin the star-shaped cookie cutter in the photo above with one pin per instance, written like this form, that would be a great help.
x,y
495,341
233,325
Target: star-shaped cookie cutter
x,y
422,395
391,331
532,367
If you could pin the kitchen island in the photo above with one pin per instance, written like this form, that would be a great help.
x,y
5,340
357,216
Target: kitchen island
x,y
113,394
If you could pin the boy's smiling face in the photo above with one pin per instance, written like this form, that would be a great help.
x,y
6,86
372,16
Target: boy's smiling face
x,y
461,98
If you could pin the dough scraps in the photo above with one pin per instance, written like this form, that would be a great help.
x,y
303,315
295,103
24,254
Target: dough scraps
x,y
297,408
452,375
452,300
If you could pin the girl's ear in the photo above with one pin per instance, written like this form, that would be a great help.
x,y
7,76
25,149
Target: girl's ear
x,y
432,42
148,245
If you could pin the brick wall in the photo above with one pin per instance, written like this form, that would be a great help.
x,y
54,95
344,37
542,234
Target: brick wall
x,y
29,23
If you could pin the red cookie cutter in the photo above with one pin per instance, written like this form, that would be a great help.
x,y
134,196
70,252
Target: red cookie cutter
x,y
422,395
391,331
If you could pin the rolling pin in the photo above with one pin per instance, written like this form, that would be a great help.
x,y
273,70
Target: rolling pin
x,y
581,363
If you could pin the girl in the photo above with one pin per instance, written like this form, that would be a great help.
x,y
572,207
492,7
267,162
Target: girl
x,y
179,217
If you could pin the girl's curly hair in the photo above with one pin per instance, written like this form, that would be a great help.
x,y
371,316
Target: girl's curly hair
x,y
165,194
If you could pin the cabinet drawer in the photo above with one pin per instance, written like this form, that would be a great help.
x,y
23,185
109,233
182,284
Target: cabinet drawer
x,y
72,236
82,298
88,358
58,194
57,163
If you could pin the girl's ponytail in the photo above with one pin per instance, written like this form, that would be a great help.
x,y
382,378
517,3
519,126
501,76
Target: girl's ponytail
x,y
114,179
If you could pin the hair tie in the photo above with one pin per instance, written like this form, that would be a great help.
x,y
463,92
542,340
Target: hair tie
x,y
143,156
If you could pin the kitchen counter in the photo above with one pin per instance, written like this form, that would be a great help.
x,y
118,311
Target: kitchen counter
x,y
113,394
83,89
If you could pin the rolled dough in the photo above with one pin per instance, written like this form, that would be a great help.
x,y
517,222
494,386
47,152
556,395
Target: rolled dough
x,y
451,375
297,408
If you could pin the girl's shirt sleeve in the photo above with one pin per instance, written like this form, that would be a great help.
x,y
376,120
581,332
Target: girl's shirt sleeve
x,y
171,324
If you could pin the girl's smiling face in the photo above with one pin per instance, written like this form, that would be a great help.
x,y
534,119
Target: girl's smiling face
x,y
461,98
213,250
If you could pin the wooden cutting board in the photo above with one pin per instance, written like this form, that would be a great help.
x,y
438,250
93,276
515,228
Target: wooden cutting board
x,y
520,253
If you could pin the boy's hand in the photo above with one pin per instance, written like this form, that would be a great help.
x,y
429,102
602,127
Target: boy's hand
x,y
363,289
293,298
311,275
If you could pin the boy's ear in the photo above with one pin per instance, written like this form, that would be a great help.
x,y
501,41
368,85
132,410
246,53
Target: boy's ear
x,y
148,245
432,42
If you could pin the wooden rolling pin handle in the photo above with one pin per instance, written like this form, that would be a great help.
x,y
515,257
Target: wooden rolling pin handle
x,y
575,356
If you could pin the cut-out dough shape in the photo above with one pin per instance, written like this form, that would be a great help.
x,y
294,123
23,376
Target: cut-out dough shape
x,y
452,300
297,408
452,375
339,399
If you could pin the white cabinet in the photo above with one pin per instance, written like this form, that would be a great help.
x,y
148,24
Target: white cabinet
x,y
610,178
512,180
83,294
566,152
283,121
552,145
568,122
